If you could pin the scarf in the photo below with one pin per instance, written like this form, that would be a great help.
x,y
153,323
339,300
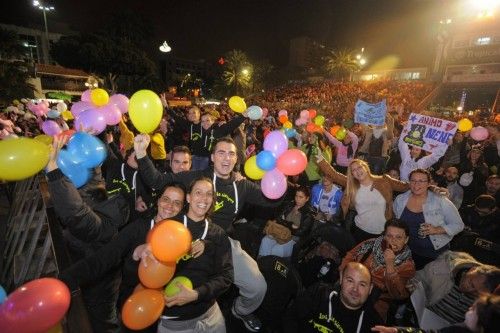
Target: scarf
x,y
349,149
375,247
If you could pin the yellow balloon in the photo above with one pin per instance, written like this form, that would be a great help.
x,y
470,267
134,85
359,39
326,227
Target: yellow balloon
x,y
287,124
99,97
252,170
464,125
21,158
44,138
145,110
67,115
237,104
56,329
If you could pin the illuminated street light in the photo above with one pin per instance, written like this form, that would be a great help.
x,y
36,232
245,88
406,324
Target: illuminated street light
x,y
245,71
358,56
44,9
165,48
362,61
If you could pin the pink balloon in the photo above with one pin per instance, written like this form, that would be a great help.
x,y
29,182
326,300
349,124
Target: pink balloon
x,y
304,114
121,101
111,113
283,113
299,122
273,184
265,112
91,119
86,96
39,109
479,133
292,162
51,128
79,107
35,307
276,142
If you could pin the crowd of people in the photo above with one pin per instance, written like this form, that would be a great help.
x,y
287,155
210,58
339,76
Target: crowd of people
x,y
368,223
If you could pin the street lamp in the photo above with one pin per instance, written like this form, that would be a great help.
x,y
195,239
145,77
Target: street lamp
x,y
245,71
44,9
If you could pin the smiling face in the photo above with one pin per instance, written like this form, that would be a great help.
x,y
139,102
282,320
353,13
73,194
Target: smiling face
x,y
180,161
419,182
355,286
170,203
358,171
193,115
224,158
207,121
451,174
415,152
200,199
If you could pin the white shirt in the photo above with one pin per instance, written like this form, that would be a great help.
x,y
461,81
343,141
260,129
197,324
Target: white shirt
x,y
370,206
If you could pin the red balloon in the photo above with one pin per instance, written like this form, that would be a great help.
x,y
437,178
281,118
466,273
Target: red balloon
x,y
312,113
37,306
292,162
142,309
311,127
170,240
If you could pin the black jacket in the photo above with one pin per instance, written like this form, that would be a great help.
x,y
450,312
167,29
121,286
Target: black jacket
x,y
309,313
200,139
225,209
306,219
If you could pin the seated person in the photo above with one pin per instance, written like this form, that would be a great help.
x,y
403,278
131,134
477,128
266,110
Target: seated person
x,y
483,218
453,281
388,258
322,309
297,216
325,198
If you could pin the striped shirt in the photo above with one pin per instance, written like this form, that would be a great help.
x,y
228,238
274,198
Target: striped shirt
x,y
453,306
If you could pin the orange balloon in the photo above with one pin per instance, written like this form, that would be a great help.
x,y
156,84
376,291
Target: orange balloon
x,y
283,119
334,130
170,240
156,274
497,118
311,127
142,309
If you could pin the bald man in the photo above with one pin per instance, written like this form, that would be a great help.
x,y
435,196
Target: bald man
x,y
321,308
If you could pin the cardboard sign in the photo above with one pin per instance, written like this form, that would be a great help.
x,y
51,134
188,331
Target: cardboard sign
x,y
428,132
370,114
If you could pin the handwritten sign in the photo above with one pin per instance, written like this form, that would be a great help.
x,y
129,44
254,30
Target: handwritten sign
x,y
370,114
427,132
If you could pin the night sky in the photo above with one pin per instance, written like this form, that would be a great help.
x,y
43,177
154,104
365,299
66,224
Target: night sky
x,y
262,28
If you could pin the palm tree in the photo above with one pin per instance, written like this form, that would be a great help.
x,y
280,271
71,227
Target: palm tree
x,y
238,72
14,69
341,63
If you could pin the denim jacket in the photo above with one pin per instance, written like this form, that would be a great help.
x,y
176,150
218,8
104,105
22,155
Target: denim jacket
x,y
438,211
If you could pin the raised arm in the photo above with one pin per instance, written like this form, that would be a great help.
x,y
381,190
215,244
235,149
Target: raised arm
x,y
327,169
397,185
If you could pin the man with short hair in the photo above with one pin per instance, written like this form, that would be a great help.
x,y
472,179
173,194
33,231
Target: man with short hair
x,y
450,182
453,281
231,196
321,308
180,159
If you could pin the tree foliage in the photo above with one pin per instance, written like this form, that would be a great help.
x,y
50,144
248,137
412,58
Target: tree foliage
x,y
238,72
14,70
341,63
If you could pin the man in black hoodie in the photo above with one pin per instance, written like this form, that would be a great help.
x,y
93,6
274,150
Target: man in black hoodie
x,y
323,309
231,196
88,225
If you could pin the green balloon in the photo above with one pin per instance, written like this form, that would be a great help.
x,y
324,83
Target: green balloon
x,y
341,134
171,289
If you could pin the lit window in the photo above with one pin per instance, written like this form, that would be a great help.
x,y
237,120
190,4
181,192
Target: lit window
x,y
483,40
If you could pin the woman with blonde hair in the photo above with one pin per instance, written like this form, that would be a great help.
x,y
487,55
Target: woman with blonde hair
x,y
370,195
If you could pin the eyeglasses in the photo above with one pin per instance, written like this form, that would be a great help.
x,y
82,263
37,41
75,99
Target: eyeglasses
x,y
418,181
168,201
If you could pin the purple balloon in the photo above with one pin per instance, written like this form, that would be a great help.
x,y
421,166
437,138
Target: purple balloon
x,y
51,128
91,120
79,107
276,142
273,184
111,113
121,101
86,96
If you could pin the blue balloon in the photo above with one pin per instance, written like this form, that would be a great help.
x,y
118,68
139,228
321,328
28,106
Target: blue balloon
x,y
290,132
266,160
3,295
88,150
78,174
53,114
254,112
